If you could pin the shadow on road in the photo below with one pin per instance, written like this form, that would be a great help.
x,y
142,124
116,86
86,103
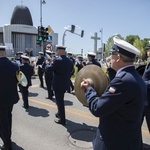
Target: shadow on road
x,y
33,94
37,112
68,103
76,129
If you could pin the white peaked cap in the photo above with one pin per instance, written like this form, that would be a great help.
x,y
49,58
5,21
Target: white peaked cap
x,y
125,46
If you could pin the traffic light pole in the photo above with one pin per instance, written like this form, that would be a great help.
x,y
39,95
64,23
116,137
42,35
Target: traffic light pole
x,y
41,2
63,39
72,31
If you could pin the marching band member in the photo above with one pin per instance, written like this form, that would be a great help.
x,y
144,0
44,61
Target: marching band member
x,y
120,107
70,56
27,69
62,67
146,78
40,68
48,73
92,60
18,57
8,97
80,63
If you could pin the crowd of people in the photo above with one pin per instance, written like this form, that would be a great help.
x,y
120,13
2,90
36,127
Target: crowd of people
x,y
121,108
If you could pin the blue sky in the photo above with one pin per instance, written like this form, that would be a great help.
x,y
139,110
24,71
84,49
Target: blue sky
x,y
126,17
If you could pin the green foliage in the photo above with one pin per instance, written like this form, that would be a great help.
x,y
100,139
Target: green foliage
x,y
132,38
109,44
135,40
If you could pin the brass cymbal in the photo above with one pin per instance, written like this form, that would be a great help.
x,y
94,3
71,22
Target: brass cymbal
x,y
98,77
21,78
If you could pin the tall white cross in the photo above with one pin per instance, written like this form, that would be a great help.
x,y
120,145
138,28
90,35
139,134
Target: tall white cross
x,y
95,38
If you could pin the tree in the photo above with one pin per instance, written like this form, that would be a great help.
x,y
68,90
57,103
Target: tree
x,y
109,44
139,45
131,38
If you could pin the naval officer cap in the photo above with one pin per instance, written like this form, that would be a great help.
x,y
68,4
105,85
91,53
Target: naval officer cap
x,y
91,54
124,48
19,52
2,48
41,53
70,53
48,52
25,57
60,47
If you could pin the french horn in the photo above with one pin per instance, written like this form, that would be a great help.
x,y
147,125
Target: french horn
x,y
98,78
21,78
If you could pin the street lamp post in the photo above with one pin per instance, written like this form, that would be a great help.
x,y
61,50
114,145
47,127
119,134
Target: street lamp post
x,y
41,2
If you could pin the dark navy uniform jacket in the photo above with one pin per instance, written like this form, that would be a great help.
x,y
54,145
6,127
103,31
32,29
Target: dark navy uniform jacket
x,y
8,83
94,62
146,78
62,67
40,62
120,110
27,69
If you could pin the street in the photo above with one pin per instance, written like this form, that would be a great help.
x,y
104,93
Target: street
x,y
35,129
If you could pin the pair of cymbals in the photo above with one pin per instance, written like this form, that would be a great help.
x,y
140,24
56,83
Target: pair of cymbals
x,y
98,77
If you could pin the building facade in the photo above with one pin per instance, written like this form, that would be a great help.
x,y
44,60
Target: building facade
x,y
20,34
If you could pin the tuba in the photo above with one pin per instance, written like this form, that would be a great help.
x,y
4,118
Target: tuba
x,y
98,78
21,78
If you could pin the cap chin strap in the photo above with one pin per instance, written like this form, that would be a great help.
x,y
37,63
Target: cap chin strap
x,y
123,51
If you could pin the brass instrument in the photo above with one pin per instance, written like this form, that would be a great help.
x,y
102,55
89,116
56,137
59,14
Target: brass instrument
x,y
21,78
98,78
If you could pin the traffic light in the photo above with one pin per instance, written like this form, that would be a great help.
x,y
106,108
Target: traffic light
x,y
72,28
45,35
82,33
42,34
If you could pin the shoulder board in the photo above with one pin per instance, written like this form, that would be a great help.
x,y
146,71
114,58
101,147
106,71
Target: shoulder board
x,y
121,74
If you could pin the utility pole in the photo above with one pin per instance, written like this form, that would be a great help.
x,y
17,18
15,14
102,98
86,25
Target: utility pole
x,y
41,2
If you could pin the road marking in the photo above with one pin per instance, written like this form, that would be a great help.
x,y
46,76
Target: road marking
x,y
79,113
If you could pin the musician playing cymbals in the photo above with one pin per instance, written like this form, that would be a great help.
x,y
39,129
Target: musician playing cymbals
x,y
120,107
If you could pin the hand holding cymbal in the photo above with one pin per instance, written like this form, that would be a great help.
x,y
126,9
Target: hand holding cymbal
x,y
90,75
86,83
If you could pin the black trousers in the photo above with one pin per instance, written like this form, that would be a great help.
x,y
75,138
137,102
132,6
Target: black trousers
x,y
49,87
6,125
25,94
40,74
146,114
60,104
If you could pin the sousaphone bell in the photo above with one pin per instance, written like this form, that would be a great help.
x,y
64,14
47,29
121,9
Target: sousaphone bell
x,y
21,78
99,79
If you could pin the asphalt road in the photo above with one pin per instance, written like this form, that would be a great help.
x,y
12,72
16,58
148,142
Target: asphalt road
x,y
35,129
